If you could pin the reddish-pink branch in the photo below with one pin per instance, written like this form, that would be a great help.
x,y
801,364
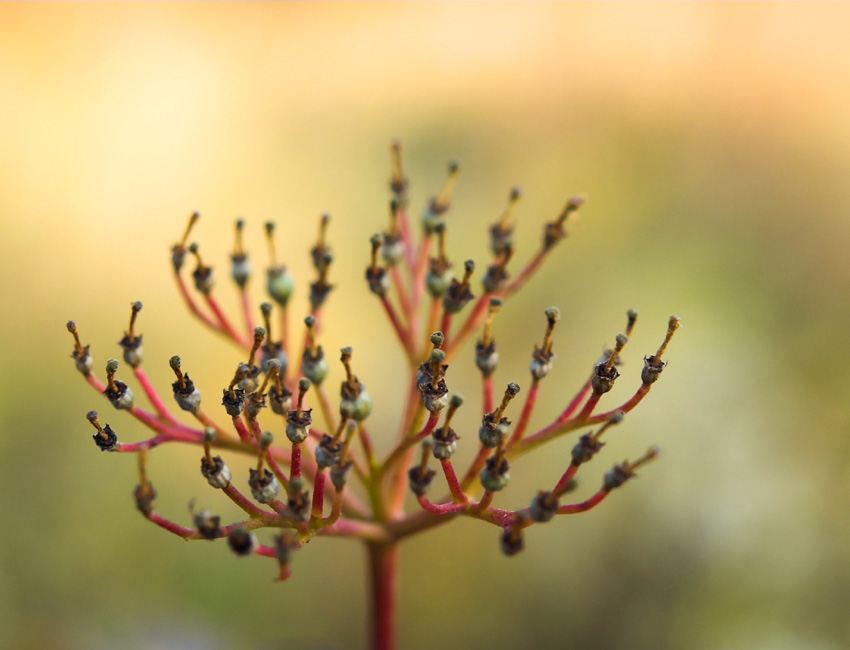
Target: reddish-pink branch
x,y
451,479
318,495
242,430
487,385
475,467
295,463
527,408
575,402
573,508
245,299
154,398
193,306
438,508
566,478
588,407
402,333
224,323
170,526
383,564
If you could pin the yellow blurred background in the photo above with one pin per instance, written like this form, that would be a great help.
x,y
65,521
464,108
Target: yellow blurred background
x,y
714,143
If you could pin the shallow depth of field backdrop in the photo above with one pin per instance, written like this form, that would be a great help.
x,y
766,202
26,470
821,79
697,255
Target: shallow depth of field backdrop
x,y
714,144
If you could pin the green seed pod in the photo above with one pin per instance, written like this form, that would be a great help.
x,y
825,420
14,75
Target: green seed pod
x,y
315,367
358,408
437,281
495,478
543,507
490,433
280,285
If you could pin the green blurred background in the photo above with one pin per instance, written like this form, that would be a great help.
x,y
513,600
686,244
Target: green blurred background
x,y
714,143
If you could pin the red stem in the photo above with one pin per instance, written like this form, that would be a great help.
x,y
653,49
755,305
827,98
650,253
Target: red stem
x,y
155,400
383,564
318,495
401,332
295,464
588,407
574,508
445,326
438,508
451,479
487,383
527,408
193,306
225,324
566,478
170,526
574,403
246,311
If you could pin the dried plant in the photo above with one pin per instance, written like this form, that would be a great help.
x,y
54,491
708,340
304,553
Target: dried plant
x,y
298,488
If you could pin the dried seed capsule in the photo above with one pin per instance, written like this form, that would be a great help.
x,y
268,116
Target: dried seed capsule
x,y
603,377
145,496
495,477
106,439
490,433
511,540
298,426
438,279
249,377
486,357
241,541
255,404
543,507
208,524
651,370
186,394
327,451
117,392
586,448
280,402
217,474
264,486
233,401
274,351
436,397
445,443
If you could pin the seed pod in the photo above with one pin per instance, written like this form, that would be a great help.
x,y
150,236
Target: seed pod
x,y
650,372
327,451
208,525
280,402
218,474
490,433
121,397
511,540
298,427
586,448
280,285
233,402
392,249
314,366
438,280
187,396
486,357
445,443
495,477
241,541
271,351
543,507
264,487
602,379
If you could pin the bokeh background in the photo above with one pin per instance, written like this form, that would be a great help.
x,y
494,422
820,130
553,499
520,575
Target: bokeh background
x,y
714,143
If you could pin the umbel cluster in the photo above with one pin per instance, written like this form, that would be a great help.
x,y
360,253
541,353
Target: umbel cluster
x,y
317,471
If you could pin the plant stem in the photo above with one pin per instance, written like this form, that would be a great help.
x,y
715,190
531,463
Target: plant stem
x,y
383,566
